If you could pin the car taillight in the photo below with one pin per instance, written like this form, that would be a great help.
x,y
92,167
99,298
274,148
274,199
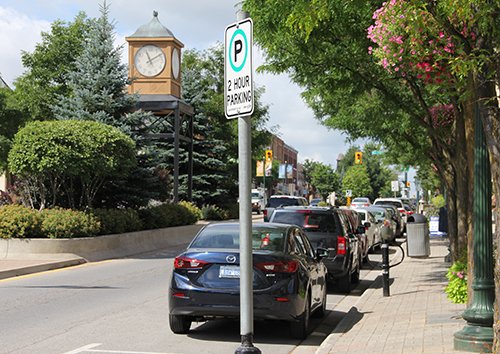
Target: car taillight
x,y
278,267
264,212
341,245
187,263
409,212
402,211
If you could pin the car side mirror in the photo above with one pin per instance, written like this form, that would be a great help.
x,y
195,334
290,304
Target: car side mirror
x,y
368,224
321,253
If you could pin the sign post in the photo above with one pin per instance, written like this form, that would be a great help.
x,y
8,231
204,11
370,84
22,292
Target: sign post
x,y
238,103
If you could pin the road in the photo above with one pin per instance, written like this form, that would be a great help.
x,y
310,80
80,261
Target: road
x,y
121,306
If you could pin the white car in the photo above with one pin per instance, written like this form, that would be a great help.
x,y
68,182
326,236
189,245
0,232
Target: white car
x,y
372,229
396,202
257,201
360,202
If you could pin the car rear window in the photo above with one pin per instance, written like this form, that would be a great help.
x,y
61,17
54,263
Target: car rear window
x,y
229,238
389,202
311,222
276,202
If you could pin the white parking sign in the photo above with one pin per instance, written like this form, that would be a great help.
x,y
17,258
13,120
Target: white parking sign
x,y
238,81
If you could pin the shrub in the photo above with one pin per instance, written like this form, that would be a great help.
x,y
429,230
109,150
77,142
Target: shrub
x,y
19,221
67,223
457,282
213,212
167,215
193,209
117,221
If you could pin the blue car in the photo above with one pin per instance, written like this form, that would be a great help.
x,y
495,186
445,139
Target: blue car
x,y
289,279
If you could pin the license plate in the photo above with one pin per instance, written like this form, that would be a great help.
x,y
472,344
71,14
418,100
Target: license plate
x,y
231,271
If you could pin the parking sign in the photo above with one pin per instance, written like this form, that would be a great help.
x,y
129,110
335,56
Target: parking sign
x,y
238,72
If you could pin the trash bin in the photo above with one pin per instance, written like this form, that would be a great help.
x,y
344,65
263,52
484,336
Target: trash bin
x,y
417,236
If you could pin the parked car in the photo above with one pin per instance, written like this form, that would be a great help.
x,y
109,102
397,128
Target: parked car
x,y
326,231
354,226
360,202
289,279
282,200
396,216
257,201
372,230
386,224
396,202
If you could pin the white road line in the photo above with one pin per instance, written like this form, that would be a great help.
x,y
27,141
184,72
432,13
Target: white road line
x,y
84,348
89,348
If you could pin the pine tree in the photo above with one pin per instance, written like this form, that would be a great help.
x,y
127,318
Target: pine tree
x,y
98,93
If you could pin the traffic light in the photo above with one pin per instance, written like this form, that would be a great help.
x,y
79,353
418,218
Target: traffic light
x,y
269,155
358,158
408,184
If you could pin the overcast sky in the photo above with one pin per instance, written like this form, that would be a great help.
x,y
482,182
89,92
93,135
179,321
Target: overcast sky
x,y
199,24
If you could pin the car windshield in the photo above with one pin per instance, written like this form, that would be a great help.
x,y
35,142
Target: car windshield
x,y
360,200
276,202
255,195
228,237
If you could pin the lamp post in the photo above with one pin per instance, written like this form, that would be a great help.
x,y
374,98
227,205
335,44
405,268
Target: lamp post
x,y
477,335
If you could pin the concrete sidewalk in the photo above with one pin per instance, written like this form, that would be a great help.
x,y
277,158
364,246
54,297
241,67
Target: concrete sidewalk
x,y
416,317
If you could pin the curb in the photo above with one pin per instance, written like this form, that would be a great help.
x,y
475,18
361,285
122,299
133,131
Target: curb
x,y
49,265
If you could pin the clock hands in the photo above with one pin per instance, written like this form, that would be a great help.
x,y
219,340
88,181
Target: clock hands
x,y
149,58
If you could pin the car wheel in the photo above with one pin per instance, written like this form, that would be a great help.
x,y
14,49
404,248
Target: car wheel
x,y
179,324
344,283
321,311
300,329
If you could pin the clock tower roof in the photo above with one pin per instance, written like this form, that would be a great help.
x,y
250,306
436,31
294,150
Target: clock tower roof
x,y
153,29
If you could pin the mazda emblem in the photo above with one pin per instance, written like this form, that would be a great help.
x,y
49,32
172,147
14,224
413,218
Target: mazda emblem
x,y
231,259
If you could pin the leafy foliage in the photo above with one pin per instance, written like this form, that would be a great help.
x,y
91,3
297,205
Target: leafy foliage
x,y
67,223
49,155
18,221
10,121
117,221
47,68
216,137
357,180
457,282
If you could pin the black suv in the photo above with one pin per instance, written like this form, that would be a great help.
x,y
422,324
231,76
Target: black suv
x,y
328,235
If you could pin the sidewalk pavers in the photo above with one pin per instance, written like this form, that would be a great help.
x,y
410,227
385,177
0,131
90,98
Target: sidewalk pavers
x,y
416,317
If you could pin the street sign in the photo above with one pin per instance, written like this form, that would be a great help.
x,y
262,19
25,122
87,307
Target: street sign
x,y
238,71
395,186
348,193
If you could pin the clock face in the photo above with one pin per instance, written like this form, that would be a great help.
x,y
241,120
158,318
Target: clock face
x,y
176,66
149,60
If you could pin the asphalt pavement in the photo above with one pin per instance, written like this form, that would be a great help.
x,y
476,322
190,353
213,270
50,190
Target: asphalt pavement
x,y
416,317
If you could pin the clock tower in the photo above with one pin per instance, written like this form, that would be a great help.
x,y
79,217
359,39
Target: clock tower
x,y
154,60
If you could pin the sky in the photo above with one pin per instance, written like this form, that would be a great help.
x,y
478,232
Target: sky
x,y
199,24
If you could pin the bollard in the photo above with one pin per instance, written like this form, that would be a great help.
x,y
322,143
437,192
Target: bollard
x,y
385,268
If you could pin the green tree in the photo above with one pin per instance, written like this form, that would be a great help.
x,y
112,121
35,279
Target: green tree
x,y
324,179
97,92
216,137
47,67
357,180
53,159
10,121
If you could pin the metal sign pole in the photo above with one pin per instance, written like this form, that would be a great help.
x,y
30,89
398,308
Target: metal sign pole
x,y
245,214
